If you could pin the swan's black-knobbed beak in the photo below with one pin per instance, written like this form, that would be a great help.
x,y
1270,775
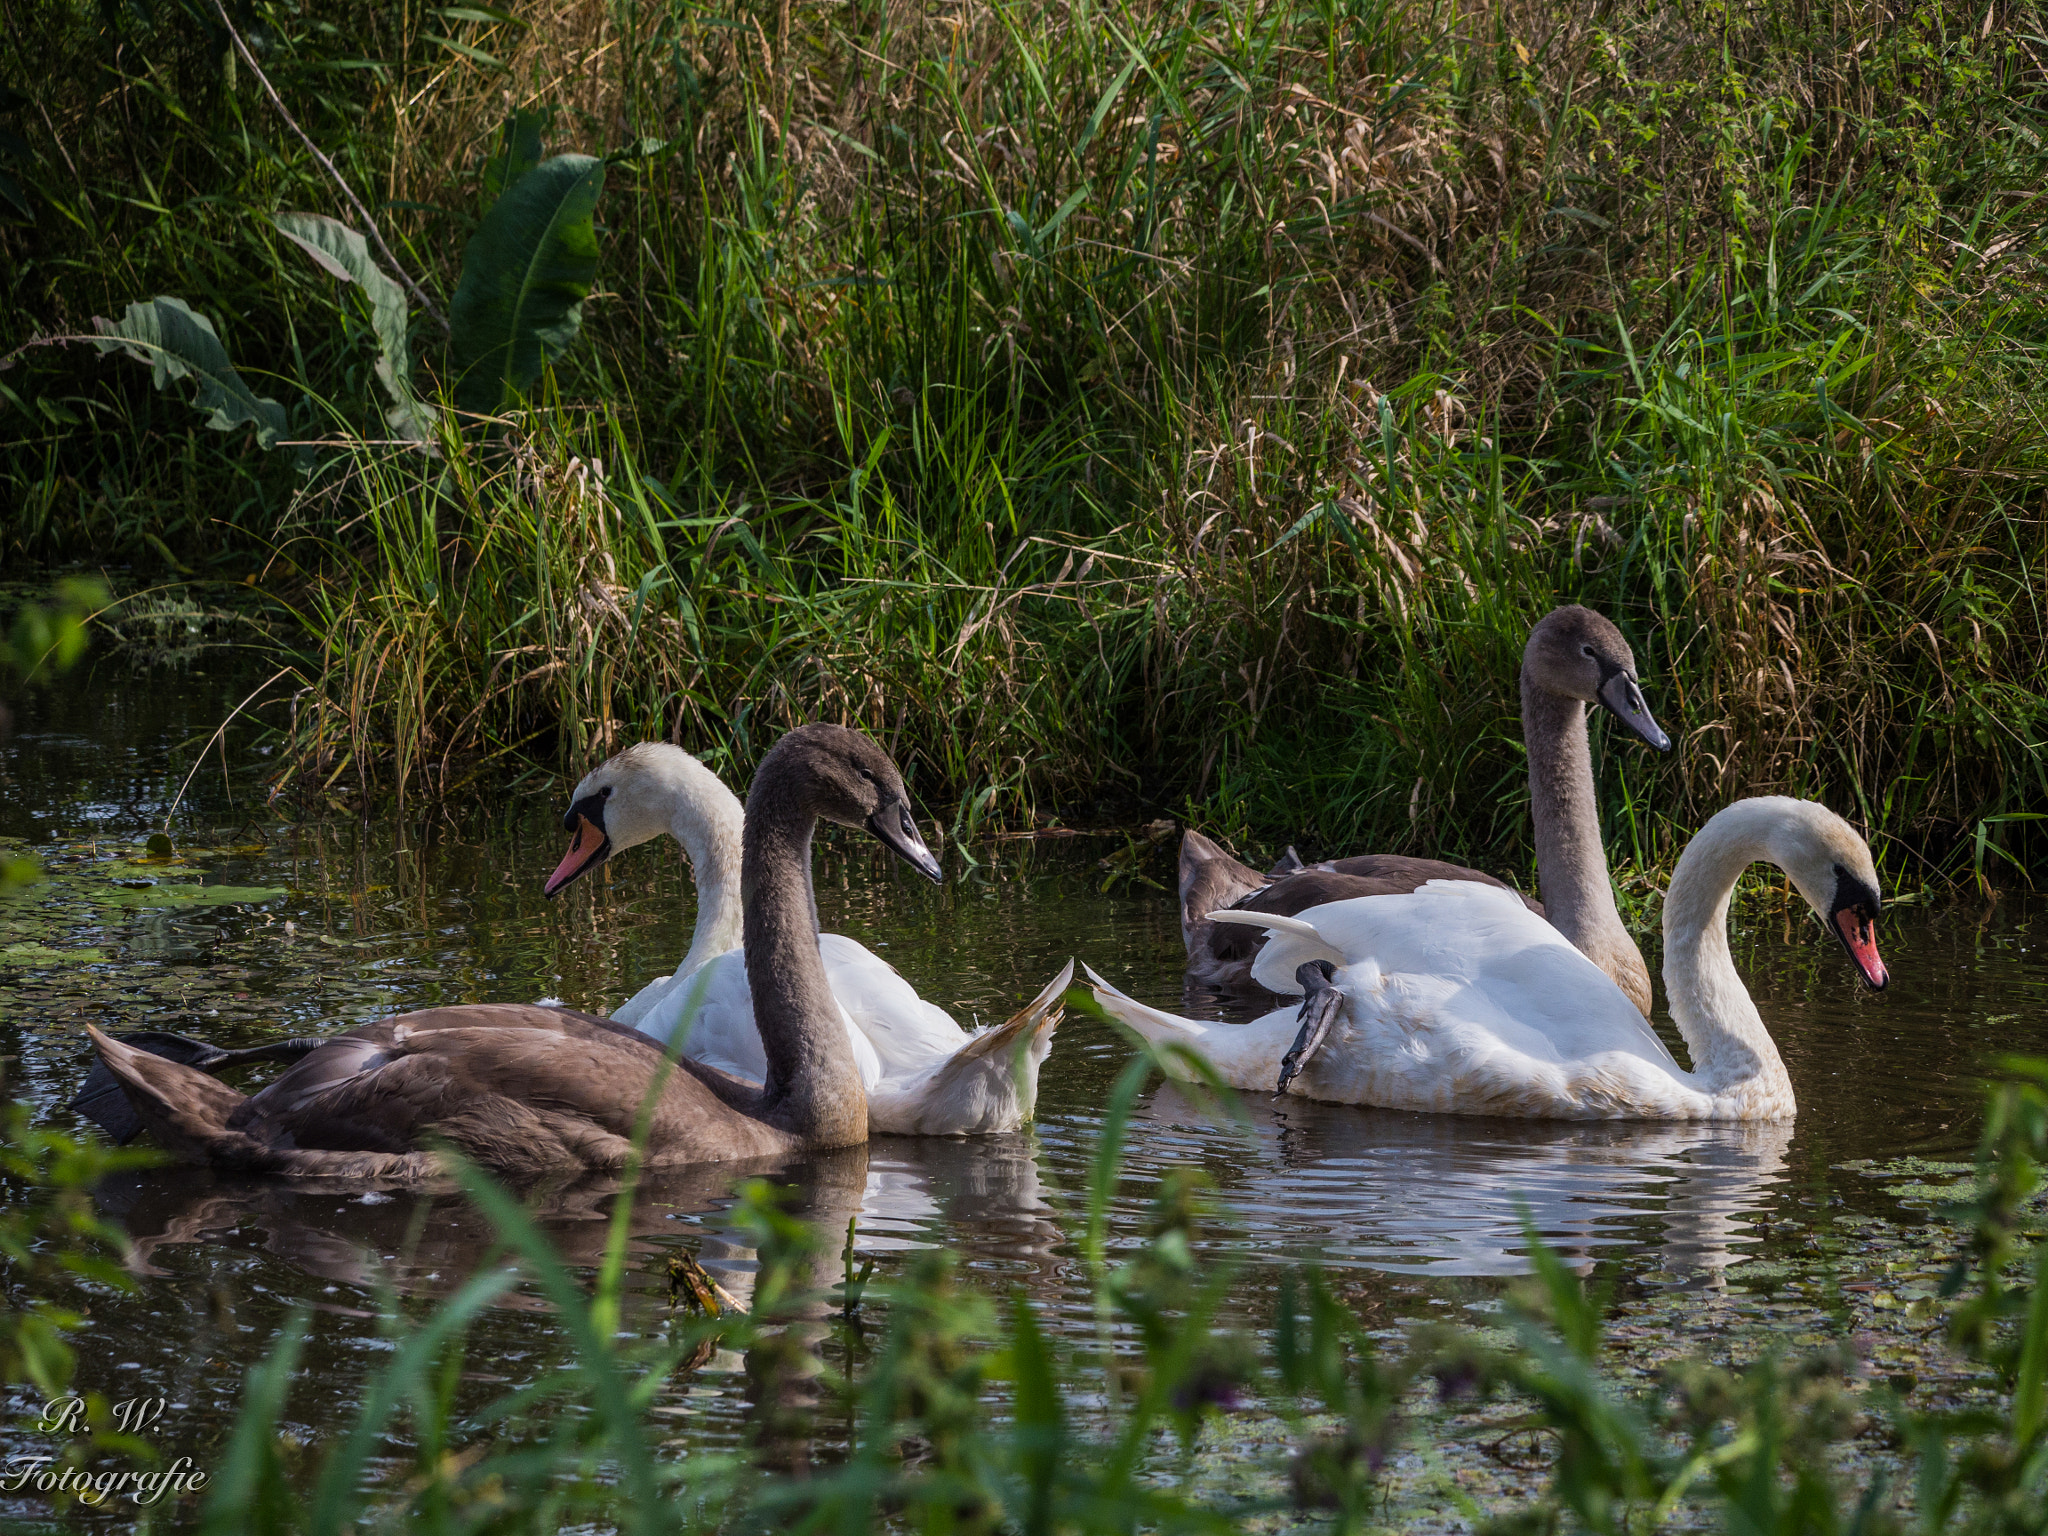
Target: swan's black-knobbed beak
x,y
1859,936
593,845
1854,922
1622,695
892,824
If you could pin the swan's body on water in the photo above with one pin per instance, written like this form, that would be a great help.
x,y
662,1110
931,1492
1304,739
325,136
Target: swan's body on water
x,y
1455,997
527,1090
923,1073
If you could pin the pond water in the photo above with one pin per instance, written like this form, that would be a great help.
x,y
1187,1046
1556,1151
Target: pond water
x,y
274,921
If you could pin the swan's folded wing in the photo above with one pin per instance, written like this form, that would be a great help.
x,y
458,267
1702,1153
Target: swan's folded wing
x,y
717,1009
1556,993
1498,961
904,1031
381,1087
1436,929
635,1010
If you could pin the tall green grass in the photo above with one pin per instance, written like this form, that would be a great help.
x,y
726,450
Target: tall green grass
x,y
1175,407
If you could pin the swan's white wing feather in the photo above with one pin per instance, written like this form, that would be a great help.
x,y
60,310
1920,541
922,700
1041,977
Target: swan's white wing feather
x,y
1438,928
716,1005
1457,998
906,1032
643,1002
1442,1043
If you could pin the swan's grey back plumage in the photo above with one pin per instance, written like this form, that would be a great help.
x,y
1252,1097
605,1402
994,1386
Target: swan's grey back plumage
x,y
1574,657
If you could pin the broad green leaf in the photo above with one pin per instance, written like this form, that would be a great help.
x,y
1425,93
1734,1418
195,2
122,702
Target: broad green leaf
x,y
179,344
519,150
524,278
42,955
463,50
345,254
185,894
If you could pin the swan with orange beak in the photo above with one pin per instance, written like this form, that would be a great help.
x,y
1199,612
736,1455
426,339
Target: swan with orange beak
x,y
924,1074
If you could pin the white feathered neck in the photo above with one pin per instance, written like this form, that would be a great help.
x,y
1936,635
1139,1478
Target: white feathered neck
x,y
1733,1055
708,820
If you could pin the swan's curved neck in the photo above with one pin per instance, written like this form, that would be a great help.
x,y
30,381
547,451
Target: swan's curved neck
x,y
813,1089
1731,1049
710,834
1571,864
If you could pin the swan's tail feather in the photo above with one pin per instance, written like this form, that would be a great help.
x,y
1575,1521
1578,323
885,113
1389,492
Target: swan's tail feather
x,y
186,1110
1156,1026
990,1084
102,1099
188,1113
1043,1012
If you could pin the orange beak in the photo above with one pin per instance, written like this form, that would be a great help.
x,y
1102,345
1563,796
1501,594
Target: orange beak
x,y
584,853
1859,936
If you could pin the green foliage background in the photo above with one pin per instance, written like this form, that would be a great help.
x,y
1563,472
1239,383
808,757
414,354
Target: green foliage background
x,y
1120,408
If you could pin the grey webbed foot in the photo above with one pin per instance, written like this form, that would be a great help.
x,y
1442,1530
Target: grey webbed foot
x,y
1320,1004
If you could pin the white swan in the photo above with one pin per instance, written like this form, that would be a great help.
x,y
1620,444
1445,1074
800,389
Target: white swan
x,y
924,1074
1457,998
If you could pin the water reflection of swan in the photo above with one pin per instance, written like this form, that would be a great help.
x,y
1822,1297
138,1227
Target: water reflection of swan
x,y
903,1193
428,1243
1442,1195
983,1195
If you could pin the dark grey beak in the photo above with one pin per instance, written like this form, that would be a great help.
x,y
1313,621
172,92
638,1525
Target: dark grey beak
x,y
892,824
1621,695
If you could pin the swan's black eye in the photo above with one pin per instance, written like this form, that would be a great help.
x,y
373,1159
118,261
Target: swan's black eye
x,y
868,774
1587,649
605,793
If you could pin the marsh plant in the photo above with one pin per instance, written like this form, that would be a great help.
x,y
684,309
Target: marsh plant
x,y
1117,410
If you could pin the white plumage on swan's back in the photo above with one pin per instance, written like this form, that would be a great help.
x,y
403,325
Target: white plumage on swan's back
x,y
716,1006
903,1029
1455,998
924,1075
1483,954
